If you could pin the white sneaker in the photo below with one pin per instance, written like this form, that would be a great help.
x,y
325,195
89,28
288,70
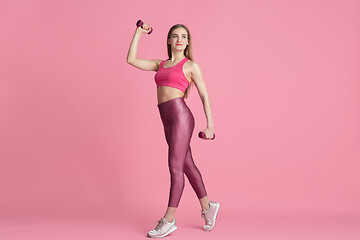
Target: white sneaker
x,y
163,228
210,215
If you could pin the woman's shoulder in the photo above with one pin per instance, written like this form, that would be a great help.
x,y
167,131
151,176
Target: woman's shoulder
x,y
193,65
192,62
159,62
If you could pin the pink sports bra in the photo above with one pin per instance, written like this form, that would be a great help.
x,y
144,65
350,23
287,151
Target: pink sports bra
x,y
172,76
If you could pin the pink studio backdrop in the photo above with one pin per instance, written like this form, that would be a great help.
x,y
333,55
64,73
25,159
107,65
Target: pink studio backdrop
x,y
81,135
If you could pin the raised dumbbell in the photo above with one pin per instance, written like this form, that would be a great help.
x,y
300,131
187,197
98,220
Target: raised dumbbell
x,y
139,23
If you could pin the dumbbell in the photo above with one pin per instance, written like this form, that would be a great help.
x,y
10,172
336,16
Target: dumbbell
x,y
202,135
139,23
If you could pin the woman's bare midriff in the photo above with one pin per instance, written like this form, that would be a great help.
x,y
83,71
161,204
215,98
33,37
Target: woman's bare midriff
x,y
166,93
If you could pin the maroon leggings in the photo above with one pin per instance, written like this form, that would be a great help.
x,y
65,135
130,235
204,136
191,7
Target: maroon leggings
x,y
179,124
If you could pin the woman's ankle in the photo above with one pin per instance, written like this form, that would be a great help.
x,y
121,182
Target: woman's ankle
x,y
206,208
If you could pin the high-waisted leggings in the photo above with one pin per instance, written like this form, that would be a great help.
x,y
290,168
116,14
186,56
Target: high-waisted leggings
x,y
179,124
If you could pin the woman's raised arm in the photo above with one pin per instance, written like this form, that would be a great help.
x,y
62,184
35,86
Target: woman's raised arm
x,y
143,64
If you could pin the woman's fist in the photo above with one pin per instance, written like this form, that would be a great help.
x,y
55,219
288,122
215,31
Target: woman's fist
x,y
207,134
145,28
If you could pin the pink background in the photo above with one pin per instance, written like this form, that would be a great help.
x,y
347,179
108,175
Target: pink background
x,y
81,136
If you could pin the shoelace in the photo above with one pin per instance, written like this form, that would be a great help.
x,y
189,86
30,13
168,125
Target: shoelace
x,y
207,219
159,223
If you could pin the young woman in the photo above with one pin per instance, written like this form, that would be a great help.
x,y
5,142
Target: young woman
x,y
174,78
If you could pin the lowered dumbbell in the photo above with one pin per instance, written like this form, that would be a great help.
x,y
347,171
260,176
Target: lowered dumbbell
x,y
202,135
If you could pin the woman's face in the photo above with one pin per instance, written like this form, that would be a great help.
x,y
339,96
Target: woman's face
x,y
178,39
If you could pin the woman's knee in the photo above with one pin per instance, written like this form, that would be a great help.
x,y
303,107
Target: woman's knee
x,y
176,171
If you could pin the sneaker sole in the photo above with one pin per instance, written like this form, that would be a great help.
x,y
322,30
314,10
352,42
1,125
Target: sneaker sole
x,y
165,234
216,212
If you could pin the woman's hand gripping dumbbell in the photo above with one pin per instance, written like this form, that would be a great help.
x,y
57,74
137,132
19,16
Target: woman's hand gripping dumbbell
x,y
203,136
144,27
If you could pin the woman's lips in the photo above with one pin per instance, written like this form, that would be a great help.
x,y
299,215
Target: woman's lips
x,y
179,44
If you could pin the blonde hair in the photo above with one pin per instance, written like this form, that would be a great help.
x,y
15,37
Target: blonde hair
x,y
187,51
